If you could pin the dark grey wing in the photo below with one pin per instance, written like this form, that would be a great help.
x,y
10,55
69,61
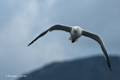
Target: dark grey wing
x,y
55,27
38,37
98,39
61,27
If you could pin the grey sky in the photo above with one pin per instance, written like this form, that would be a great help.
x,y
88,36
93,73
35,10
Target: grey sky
x,y
23,20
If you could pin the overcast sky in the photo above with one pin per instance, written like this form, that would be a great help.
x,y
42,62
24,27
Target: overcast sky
x,y
23,20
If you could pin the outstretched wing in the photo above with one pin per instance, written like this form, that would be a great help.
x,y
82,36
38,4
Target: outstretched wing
x,y
55,27
38,37
98,39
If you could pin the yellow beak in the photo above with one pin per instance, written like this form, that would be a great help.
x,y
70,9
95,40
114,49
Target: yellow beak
x,y
74,29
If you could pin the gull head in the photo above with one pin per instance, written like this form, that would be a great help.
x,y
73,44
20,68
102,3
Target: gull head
x,y
77,29
76,32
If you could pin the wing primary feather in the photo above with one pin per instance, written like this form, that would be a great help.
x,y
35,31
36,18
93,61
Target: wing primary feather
x,y
98,39
38,37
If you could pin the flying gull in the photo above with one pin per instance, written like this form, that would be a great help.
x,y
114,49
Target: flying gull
x,y
75,33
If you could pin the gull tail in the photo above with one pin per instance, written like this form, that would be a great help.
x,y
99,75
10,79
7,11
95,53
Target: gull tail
x,y
72,40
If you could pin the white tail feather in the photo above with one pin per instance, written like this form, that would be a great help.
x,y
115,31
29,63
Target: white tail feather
x,y
76,40
70,38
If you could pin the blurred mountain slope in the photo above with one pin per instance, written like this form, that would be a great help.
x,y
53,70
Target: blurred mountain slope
x,y
93,68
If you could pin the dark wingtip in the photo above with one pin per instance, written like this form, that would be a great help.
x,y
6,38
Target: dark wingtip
x,y
110,69
30,44
109,65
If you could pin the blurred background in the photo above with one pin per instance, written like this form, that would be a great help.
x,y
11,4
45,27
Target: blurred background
x,y
23,20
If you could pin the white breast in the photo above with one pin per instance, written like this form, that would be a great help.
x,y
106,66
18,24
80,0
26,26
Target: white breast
x,y
77,34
